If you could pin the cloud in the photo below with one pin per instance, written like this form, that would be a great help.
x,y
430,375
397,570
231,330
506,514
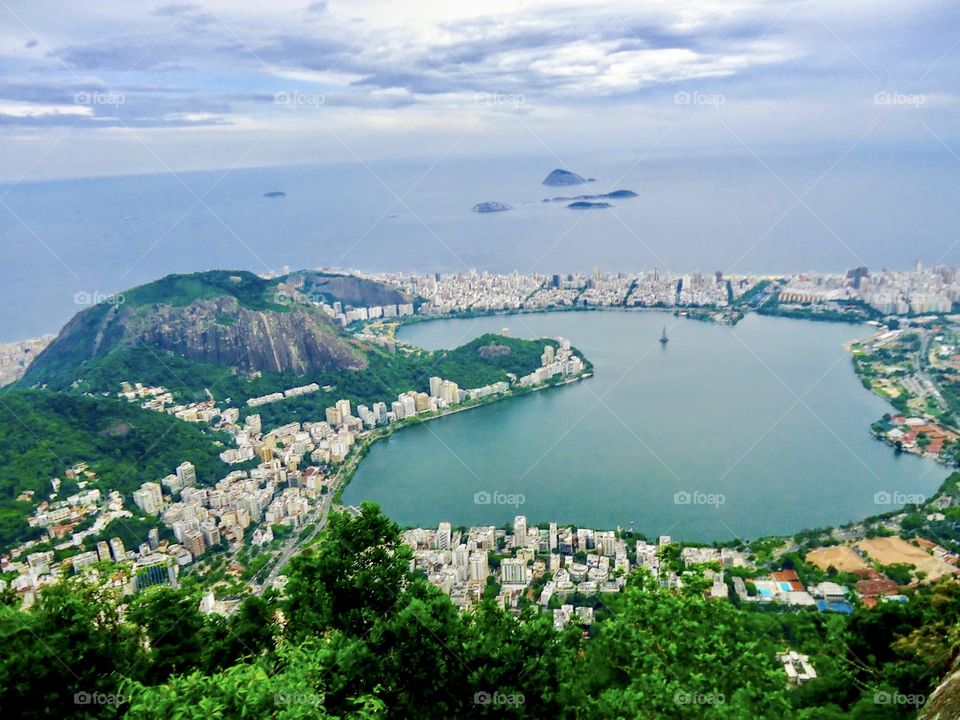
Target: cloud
x,y
187,64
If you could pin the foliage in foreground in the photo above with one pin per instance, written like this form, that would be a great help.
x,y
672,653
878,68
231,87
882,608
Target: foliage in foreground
x,y
358,635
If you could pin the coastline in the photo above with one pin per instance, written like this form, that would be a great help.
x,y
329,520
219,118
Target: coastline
x,y
864,522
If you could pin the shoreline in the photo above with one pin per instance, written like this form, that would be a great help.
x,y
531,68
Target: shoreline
x,y
847,346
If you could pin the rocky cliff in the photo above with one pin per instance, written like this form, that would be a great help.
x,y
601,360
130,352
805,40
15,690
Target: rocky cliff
x,y
236,320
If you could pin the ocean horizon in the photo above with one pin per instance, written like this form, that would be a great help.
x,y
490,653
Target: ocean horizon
x,y
726,213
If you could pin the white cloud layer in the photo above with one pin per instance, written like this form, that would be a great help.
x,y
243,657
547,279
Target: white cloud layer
x,y
393,78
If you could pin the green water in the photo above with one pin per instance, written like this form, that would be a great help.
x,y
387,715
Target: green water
x,y
764,426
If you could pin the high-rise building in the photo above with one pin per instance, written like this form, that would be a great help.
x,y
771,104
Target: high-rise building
x,y
343,407
513,571
421,402
444,532
519,531
548,354
187,475
149,498
450,392
117,550
210,532
333,416
193,541
479,567
553,537
435,384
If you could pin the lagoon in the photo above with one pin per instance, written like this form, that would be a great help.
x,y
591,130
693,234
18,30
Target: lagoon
x,y
726,432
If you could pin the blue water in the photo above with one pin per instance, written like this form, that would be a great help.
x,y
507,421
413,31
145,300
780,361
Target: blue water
x,y
767,418
706,213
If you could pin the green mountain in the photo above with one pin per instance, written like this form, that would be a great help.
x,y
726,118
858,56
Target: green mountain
x,y
43,434
232,319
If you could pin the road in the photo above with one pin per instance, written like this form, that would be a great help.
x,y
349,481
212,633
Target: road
x,y
318,517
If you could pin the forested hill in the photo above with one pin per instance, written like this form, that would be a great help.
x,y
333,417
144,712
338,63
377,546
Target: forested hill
x,y
43,434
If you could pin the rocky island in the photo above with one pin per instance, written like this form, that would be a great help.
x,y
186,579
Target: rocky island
x,y
560,177
491,207
613,195
275,194
587,205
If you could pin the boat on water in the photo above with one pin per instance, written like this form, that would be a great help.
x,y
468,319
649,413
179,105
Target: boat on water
x,y
663,336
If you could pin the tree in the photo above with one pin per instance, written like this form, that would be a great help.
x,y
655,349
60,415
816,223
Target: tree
x,y
353,577
70,645
678,655
176,631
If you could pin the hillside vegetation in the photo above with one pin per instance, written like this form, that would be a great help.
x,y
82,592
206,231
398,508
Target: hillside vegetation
x,y
364,637
43,434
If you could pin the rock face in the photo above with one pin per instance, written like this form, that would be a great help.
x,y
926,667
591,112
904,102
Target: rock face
x,y
944,702
221,332
491,207
563,177
256,328
348,289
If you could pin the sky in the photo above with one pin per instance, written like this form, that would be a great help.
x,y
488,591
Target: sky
x,y
108,87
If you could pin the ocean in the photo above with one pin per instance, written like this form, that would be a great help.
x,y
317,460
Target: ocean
x,y
68,241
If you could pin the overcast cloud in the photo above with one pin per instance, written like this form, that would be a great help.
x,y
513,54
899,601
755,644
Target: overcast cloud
x,y
110,86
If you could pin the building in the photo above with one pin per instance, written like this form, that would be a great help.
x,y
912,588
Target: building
x,y
187,475
479,567
513,571
444,532
117,550
149,498
519,531
450,392
193,542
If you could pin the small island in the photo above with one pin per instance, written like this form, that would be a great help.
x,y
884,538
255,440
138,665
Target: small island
x,y
491,207
613,195
564,177
274,194
587,205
